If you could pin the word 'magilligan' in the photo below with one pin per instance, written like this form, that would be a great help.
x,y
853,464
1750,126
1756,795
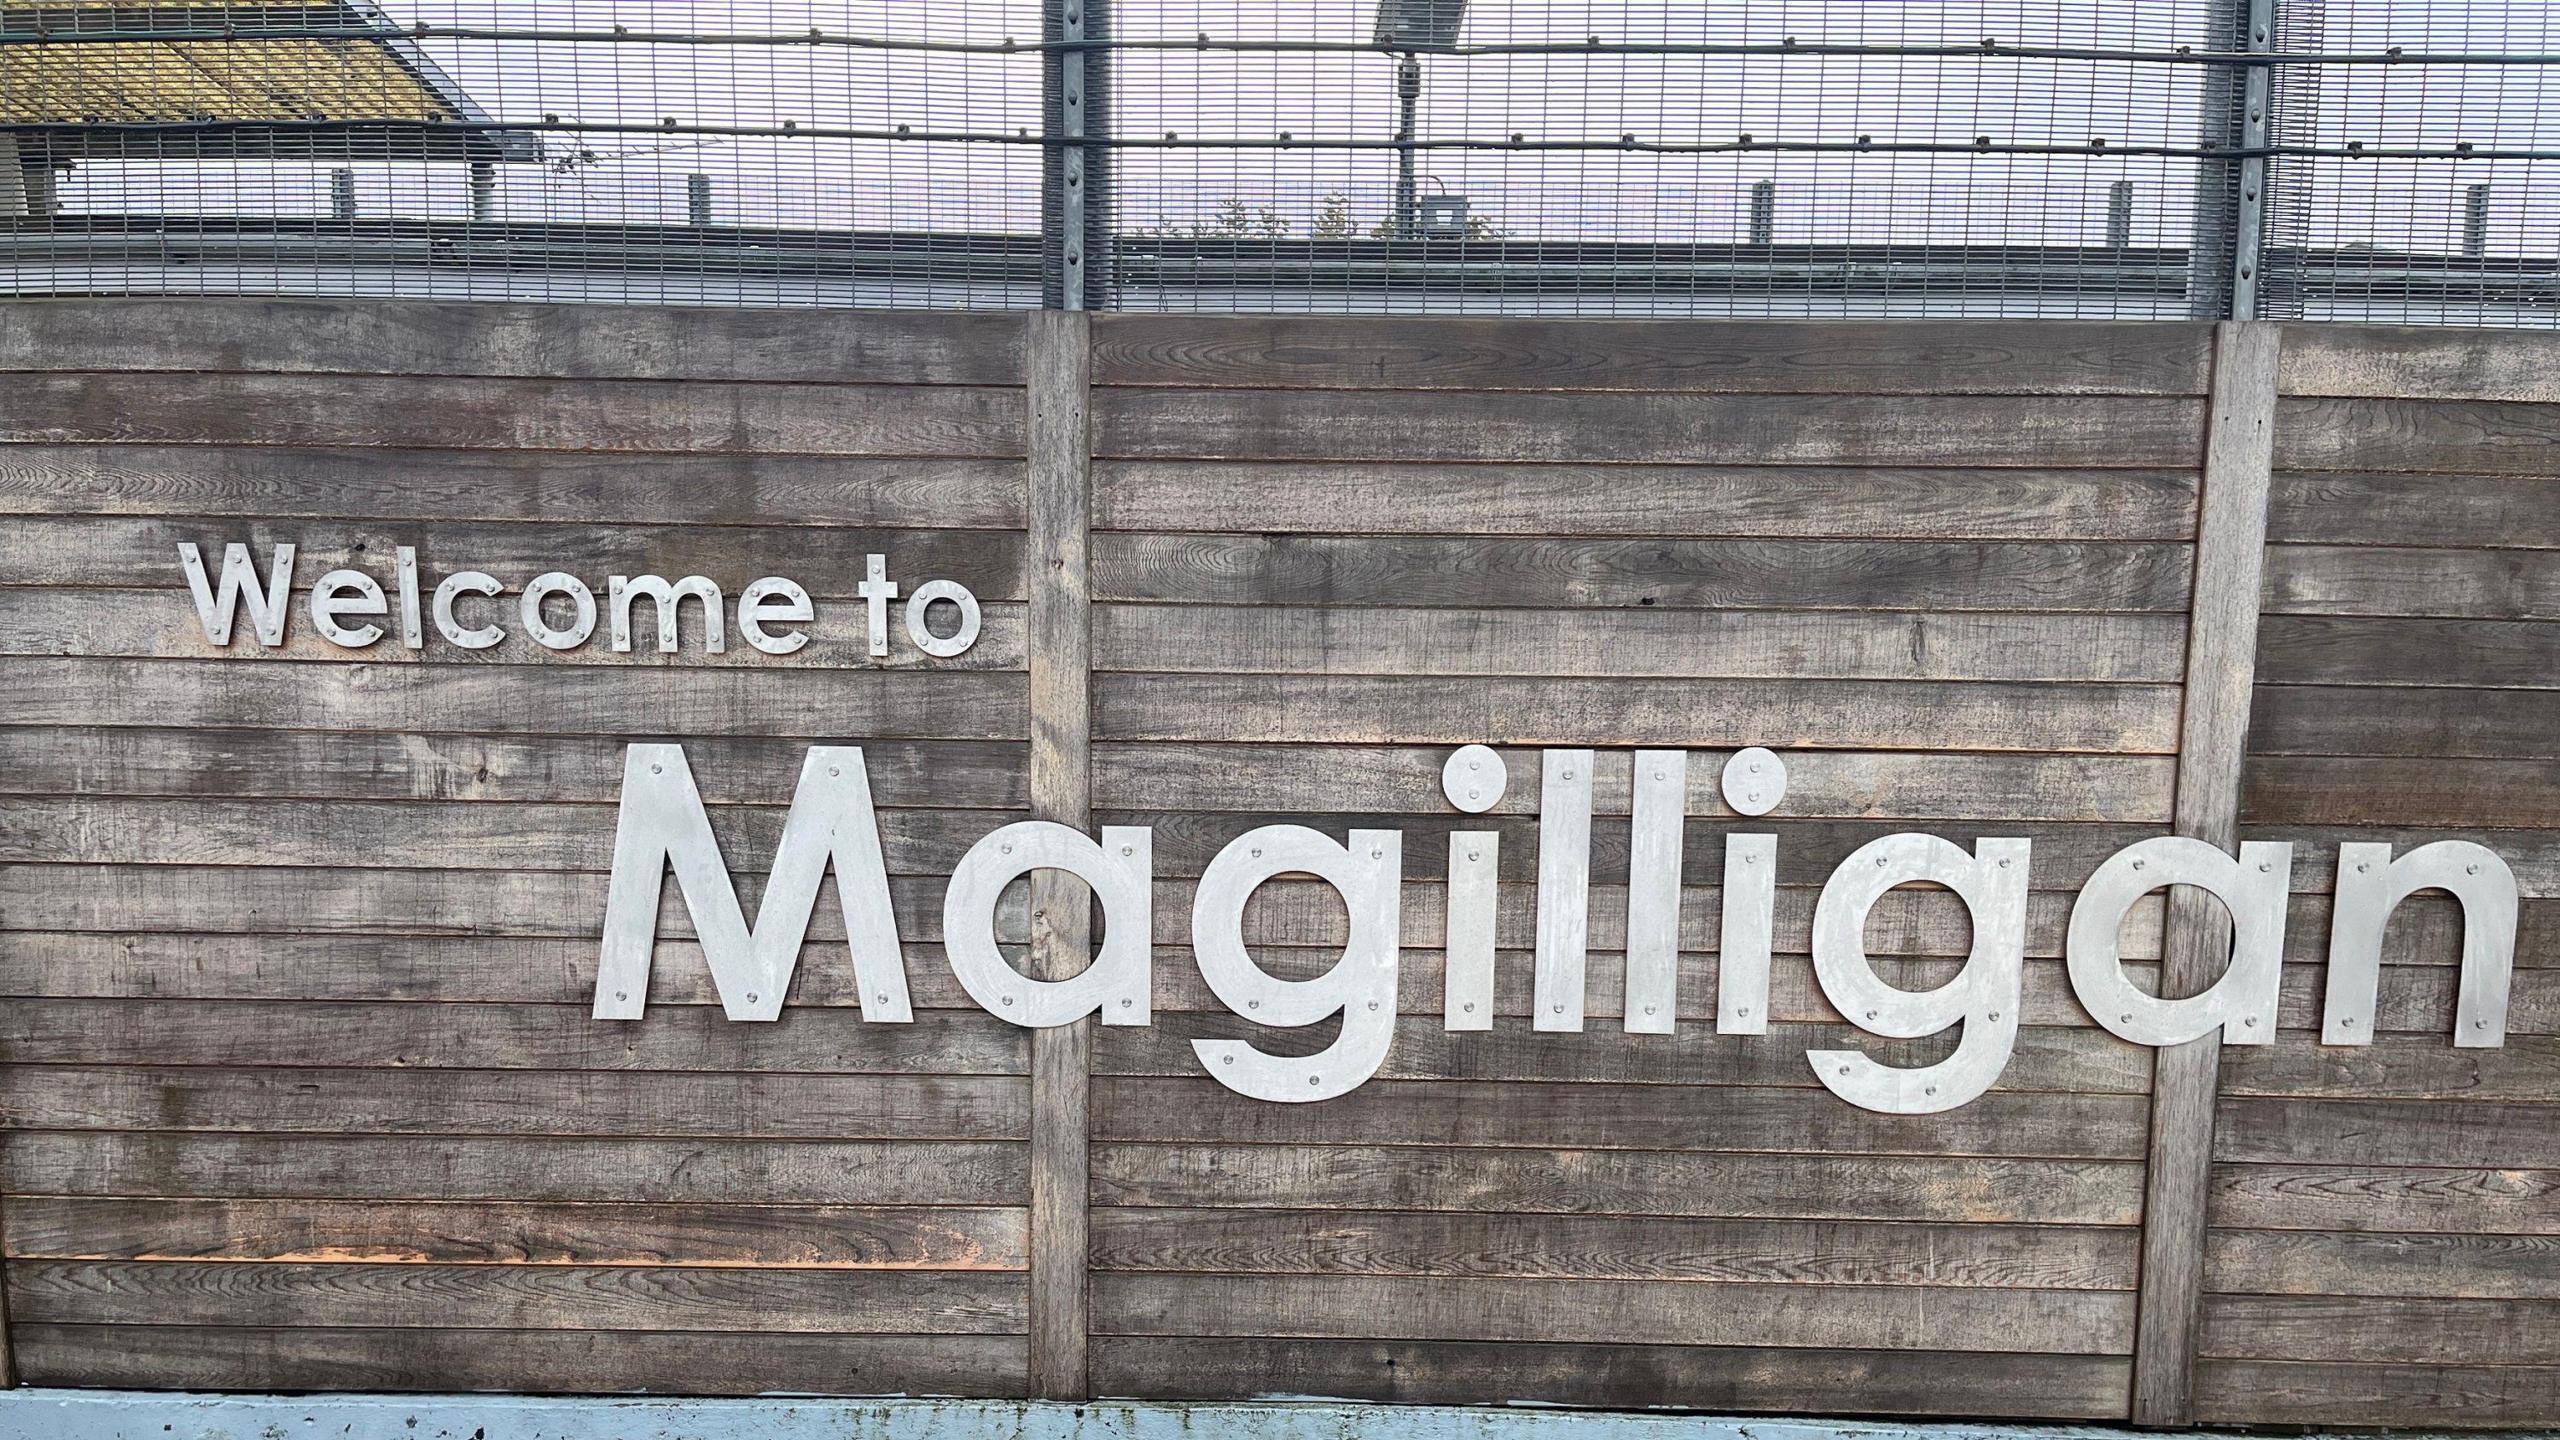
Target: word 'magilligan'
x,y
662,823
557,610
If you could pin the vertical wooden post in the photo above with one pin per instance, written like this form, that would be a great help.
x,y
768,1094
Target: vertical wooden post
x,y
2222,655
1061,790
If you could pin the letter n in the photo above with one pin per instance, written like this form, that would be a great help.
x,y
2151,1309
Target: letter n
x,y
663,823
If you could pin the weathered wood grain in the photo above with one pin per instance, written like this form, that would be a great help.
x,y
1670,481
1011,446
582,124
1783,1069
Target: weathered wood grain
x,y
2312,1262
410,337
1613,1247
337,1232
611,1362
515,1169
314,764
2501,511
2454,437
1832,714
2436,1330
2069,431
2410,1067
2077,1322
624,416
1618,1182
1607,1116
2333,790
530,1297
2397,720
1559,497
277,484
2386,1132
2408,650
2420,362
2276,1392
1988,357
1709,643
1620,1374
1215,569
653,701
2384,1198
269,1099
2374,580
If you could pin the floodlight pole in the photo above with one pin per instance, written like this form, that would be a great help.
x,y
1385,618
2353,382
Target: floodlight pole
x,y
1408,102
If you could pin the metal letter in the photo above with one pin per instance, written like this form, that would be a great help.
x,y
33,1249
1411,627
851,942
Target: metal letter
x,y
1121,870
347,592
1983,997
555,583
2371,885
240,577
1474,778
878,590
2243,1001
405,567
1742,948
663,823
1466,975
1361,985
462,582
1754,781
1661,811
622,590
919,607
1564,888
767,600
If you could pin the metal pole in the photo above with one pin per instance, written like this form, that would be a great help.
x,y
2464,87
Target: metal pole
x,y
1076,170
2120,215
2475,222
1408,101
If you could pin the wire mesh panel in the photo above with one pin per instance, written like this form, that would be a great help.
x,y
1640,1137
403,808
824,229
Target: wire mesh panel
x,y
2086,158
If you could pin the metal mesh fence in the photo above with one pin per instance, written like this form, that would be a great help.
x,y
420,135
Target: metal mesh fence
x,y
2366,159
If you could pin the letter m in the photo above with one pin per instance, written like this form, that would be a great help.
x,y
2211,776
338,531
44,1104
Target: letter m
x,y
663,823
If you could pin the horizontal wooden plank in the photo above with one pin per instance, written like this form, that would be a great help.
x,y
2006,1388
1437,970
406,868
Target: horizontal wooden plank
x,y
278,1358
1649,1247
2420,1397
2396,720
2381,1330
1561,498
2410,1067
526,1297
2331,790
1892,1317
1971,357
2385,1198
1662,429
231,899
2427,362
2325,508
2392,433
312,764
122,552
2278,1130
340,1232
500,1037
162,624
626,416
1831,714
656,342
2407,650
652,701
1701,644
1234,569
1620,1375
267,1099
2374,580
2047,1058
2534,855
517,1170
279,483
1617,1182
1897,785
2312,1262
1604,1116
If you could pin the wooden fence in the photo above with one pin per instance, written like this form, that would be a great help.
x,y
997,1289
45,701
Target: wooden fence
x,y
298,944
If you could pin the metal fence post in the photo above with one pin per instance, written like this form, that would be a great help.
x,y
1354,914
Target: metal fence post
x,y
1076,169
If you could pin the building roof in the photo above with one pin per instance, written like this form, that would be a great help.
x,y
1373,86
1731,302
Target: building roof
x,y
233,80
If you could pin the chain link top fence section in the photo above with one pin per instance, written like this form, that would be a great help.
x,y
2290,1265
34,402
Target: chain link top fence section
x,y
2383,160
